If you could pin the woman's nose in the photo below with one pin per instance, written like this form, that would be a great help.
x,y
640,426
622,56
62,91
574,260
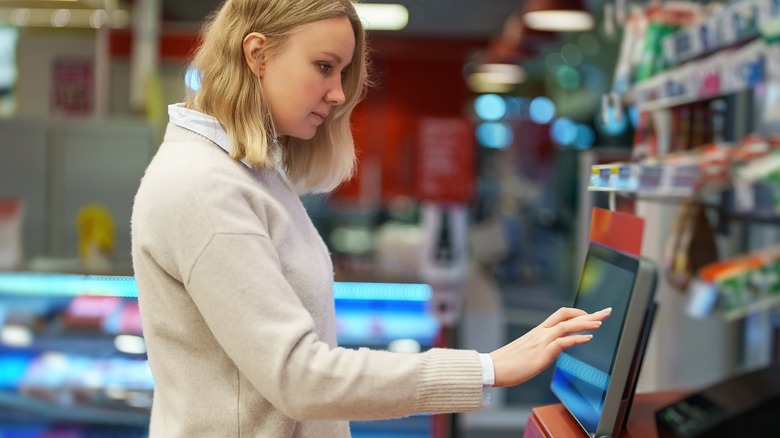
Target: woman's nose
x,y
336,95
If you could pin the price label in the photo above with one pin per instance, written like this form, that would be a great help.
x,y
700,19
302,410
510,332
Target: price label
x,y
703,297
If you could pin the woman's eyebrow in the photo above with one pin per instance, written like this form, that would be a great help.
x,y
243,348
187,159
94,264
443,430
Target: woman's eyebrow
x,y
335,57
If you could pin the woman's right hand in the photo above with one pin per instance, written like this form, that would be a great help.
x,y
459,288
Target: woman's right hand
x,y
530,354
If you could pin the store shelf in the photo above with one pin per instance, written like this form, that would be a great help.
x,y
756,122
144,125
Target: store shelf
x,y
681,193
47,411
754,307
706,173
671,102
754,217
674,181
719,75
715,90
72,320
73,344
736,24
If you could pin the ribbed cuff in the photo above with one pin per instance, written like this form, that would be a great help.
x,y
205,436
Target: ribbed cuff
x,y
451,381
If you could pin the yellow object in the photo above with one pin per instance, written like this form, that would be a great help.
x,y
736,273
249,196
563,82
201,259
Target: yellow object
x,y
97,233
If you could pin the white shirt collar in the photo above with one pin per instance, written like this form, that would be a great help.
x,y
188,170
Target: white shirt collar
x,y
200,123
209,127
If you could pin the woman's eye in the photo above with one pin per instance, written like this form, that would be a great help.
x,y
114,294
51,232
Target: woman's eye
x,y
326,68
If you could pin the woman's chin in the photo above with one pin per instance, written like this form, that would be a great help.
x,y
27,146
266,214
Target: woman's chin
x,y
304,135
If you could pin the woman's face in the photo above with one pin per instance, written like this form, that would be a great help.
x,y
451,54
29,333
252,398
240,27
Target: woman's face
x,y
303,82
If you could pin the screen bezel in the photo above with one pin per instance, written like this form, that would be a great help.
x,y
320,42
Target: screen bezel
x,y
629,349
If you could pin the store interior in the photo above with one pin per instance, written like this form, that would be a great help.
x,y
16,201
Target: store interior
x,y
484,144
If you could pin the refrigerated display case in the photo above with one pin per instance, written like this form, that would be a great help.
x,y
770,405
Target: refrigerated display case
x,y
73,359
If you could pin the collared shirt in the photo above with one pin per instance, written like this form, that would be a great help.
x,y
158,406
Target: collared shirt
x,y
200,123
209,127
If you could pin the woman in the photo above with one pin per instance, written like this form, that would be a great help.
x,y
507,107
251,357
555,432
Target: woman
x,y
235,284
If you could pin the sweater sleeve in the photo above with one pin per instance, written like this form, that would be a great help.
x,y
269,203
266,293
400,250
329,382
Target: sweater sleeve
x,y
238,286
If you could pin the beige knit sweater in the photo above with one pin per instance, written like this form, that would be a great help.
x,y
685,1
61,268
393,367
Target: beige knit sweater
x,y
235,289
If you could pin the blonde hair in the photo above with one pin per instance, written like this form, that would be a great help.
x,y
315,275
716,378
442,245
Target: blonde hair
x,y
231,93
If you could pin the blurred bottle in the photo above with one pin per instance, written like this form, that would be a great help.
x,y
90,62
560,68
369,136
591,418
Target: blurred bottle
x,y
97,237
11,217
443,254
444,265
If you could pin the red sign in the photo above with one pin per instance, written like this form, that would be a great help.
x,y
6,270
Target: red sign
x,y
445,160
72,87
621,231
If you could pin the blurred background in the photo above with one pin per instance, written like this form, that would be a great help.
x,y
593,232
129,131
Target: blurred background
x,y
466,223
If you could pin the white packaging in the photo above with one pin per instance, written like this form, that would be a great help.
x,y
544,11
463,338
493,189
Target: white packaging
x,y
11,218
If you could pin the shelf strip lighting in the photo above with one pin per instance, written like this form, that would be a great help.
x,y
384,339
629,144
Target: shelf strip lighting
x,y
382,291
46,284
23,283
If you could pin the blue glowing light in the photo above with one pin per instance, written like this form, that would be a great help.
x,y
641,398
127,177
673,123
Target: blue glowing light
x,y
8,73
490,107
542,110
71,285
192,79
516,108
382,291
615,123
563,131
12,369
582,388
494,135
585,137
583,372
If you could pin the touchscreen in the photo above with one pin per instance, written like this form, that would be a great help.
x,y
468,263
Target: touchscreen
x,y
582,372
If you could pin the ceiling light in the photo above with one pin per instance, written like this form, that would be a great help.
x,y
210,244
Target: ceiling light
x,y
98,18
60,17
20,17
71,18
379,16
483,83
504,73
558,16
495,78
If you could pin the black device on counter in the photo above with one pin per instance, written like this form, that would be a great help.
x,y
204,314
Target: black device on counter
x,y
744,406
595,381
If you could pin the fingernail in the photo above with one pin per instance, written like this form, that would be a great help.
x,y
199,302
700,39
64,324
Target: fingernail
x,y
589,336
607,310
598,323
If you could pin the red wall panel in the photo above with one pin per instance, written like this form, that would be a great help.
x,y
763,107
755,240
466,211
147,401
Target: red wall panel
x,y
415,78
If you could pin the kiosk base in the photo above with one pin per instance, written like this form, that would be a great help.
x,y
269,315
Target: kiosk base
x,y
554,421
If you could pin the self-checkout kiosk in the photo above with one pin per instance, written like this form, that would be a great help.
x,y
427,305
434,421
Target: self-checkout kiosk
x,y
596,382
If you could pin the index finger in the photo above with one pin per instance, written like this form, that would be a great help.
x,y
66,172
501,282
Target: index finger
x,y
562,314
567,313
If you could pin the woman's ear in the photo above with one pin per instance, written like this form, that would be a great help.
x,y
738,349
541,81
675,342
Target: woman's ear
x,y
253,52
